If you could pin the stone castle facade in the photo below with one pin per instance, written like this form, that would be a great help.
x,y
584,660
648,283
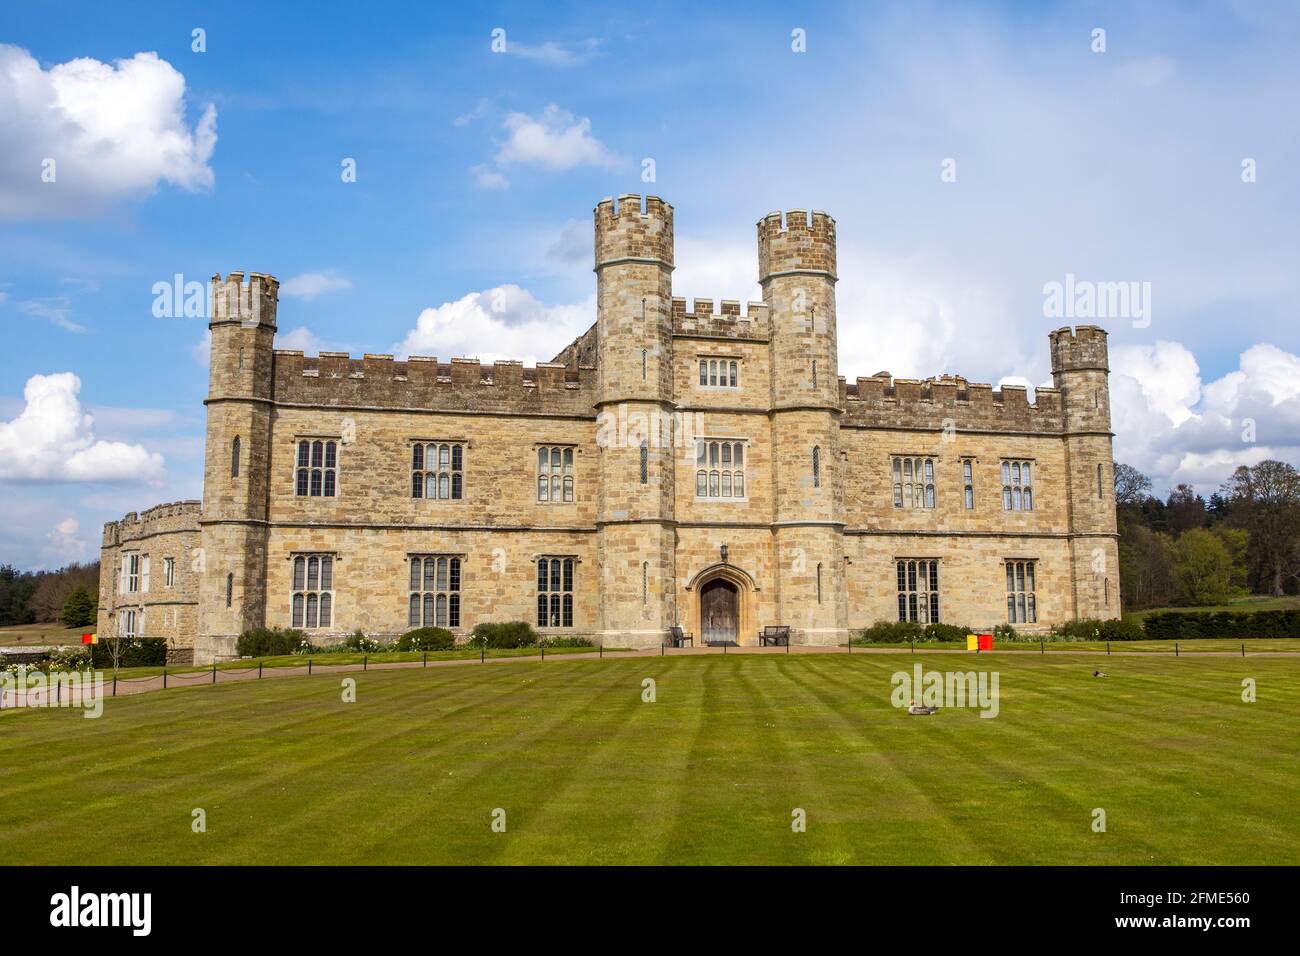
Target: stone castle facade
x,y
669,467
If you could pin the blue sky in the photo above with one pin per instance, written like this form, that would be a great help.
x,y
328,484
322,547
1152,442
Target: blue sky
x,y
478,170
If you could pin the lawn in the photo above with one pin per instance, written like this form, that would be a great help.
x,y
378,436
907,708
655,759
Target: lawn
x,y
708,773
41,634
1057,645
1255,602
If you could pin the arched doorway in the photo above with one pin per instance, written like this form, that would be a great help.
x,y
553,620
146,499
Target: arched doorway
x,y
719,612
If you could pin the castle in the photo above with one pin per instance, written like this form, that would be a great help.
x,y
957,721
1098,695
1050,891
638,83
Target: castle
x,y
669,467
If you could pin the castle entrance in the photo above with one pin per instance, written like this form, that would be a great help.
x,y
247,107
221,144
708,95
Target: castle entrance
x,y
719,612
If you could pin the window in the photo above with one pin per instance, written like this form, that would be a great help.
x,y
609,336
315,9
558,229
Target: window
x,y
554,474
645,462
437,471
230,590
814,373
719,373
913,482
1021,606
434,591
555,592
645,582
719,469
1017,486
169,572
1100,493
313,590
144,574
317,473
968,483
132,562
126,624
918,591
819,582
234,458
817,466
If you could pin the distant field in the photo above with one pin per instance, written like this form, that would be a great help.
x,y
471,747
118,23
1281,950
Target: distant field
x,y
1253,603
39,634
286,772
1251,645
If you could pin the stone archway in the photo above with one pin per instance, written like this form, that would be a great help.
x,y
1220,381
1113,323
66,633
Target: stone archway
x,y
721,609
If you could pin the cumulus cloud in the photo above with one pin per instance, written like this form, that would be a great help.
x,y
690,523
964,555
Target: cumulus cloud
x,y
309,285
506,322
52,439
556,140
1176,428
63,544
112,131
302,338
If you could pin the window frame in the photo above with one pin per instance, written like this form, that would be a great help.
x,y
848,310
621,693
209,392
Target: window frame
x,y
314,478
718,372
1017,483
309,587
448,477
555,584
562,475
912,478
918,587
1021,575
719,462
437,601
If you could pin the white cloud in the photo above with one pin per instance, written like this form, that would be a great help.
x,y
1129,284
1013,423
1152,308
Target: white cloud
x,y
487,178
52,439
64,545
551,53
1171,426
502,323
556,140
55,311
302,338
309,285
573,244
113,131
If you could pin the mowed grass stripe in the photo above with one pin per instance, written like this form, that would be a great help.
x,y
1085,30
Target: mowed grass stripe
x,y
708,773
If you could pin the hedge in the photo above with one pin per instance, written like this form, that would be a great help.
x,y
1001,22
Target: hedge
x,y
426,639
135,652
501,635
1093,629
1238,625
269,642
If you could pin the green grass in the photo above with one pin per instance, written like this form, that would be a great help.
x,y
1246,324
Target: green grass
x,y
1055,645
411,772
1255,602
41,634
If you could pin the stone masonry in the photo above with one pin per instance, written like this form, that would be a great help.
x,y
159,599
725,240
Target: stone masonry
x,y
704,469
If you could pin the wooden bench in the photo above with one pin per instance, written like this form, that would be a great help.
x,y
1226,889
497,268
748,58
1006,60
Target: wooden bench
x,y
776,634
679,637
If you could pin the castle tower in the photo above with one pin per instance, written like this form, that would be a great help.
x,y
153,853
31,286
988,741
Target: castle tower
x,y
637,536
232,588
796,264
1080,370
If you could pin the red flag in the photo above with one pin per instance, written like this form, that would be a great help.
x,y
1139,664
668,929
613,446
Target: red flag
x,y
85,638
986,642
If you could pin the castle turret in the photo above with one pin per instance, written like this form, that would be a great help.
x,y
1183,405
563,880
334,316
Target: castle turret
x,y
235,483
1080,371
796,262
634,264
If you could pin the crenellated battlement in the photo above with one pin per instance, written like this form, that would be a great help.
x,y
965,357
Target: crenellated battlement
x,y
795,242
251,304
882,401
728,322
630,231
173,516
423,382
1081,348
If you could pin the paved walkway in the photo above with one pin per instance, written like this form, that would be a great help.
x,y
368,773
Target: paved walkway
x,y
70,693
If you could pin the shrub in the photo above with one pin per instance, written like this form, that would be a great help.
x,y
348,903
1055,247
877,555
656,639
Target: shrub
x,y
1005,632
568,642
269,642
1237,625
503,635
947,633
133,652
357,641
1092,629
891,632
426,639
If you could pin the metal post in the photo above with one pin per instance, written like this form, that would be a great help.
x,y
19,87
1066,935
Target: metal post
x,y
365,661
661,650
309,665
482,653
913,643
602,648
426,658
543,650
259,670
1175,648
1108,648
164,678
214,672
1042,646
1243,649
115,685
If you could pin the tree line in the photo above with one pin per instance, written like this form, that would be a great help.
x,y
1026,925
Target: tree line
x,y
1189,550
68,596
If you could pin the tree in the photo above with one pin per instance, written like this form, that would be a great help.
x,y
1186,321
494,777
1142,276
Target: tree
x,y
1131,486
1145,568
1186,509
1265,501
80,609
1202,568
